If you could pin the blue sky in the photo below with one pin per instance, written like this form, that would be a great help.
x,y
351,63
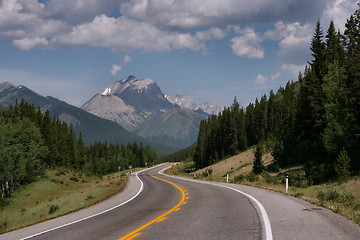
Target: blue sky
x,y
206,49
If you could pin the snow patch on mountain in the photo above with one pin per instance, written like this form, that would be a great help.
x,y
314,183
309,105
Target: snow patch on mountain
x,y
143,84
107,91
187,102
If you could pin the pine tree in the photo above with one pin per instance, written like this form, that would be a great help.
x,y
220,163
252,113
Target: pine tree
x,y
258,164
342,166
334,50
318,65
336,103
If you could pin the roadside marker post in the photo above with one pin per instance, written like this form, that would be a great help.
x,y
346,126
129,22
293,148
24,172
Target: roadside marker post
x,y
287,183
227,177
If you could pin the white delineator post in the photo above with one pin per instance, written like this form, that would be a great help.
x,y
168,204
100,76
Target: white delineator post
x,y
227,177
287,183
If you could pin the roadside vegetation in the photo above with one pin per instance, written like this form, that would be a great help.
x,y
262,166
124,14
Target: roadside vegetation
x,y
342,197
32,142
46,170
308,130
313,122
57,193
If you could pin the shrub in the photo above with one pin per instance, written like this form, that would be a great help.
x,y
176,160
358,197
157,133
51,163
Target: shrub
x,y
268,178
53,208
3,225
89,197
299,179
342,166
336,195
252,177
239,178
74,179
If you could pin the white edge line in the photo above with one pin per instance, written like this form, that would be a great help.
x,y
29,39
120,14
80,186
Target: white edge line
x,y
267,225
97,214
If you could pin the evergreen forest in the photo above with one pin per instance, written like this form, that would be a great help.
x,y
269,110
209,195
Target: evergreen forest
x,y
31,142
311,122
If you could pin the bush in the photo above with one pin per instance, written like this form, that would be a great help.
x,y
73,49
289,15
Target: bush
x,y
252,177
53,208
336,195
273,167
269,179
3,225
74,179
239,178
89,197
299,179
207,172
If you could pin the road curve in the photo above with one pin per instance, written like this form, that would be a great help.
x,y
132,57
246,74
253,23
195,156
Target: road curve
x,y
176,208
167,209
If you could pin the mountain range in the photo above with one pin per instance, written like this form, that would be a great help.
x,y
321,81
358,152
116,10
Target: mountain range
x,y
126,111
140,107
93,128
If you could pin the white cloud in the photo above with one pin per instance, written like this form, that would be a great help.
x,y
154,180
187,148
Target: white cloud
x,y
115,69
294,41
338,11
30,43
247,45
127,59
293,68
118,68
187,14
275,76
124,34
260,79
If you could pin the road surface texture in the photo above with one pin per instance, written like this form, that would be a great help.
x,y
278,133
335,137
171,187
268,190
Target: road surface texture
x,y
176,208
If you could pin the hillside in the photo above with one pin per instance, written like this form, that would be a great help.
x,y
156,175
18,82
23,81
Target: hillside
x,y
93,128
235,165
176,127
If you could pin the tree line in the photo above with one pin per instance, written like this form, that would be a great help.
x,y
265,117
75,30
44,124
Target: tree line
x,y
309,122
31,141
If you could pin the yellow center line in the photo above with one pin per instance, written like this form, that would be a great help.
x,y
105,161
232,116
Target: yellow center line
x,y
135,233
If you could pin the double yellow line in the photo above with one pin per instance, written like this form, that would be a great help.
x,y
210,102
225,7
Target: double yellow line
x,y
136,232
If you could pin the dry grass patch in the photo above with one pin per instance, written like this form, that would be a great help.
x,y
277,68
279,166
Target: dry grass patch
x,y
61,192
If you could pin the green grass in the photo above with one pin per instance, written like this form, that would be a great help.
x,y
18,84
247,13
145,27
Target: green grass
x,y
55,195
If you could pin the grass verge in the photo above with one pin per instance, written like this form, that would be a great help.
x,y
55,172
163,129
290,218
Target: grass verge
x,y
59,193
343,199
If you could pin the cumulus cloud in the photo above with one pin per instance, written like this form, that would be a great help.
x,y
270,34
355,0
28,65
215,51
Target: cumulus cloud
x,y
187,14
30,43
118,68
247,45
275,76
294,41
127,59
338,11
115,69
293,68
124,34
163,25
260,79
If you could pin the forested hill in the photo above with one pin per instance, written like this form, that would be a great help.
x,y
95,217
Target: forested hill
x,y
92,127
32,141
309,122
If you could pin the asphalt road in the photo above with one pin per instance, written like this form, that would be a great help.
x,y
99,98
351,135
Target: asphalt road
x,y
175,208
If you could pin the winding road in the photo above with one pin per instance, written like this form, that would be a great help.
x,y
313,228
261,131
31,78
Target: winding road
x,y
156,206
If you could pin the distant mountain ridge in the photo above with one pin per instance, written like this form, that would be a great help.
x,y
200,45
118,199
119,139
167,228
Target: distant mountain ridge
x,y
129,102
187,102
176,127
93,128
141,107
